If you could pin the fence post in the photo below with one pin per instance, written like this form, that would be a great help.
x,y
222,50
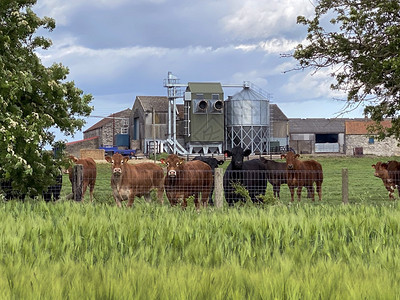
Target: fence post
x,y
77,182
218,188
345,186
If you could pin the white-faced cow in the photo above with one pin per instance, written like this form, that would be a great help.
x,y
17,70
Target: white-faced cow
x,y
213,163
277,174
187,178
303,173
134,180
89,175
390,174
251,174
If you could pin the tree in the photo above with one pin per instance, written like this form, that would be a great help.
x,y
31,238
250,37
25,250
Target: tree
x,y
33,99
360,45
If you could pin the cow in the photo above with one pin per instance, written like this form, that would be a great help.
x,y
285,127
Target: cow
x,y
89,175
9,192
53,191
185,179
303,173
134,180
251,174
277,174
390,174
213,163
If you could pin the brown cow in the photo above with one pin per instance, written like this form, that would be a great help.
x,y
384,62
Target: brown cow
x,y
390,174
89,175
129,181
303,173
187,178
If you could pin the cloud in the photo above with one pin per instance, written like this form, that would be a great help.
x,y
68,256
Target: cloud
x,y
254,19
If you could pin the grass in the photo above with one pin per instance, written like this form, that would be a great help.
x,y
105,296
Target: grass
x,y
158,252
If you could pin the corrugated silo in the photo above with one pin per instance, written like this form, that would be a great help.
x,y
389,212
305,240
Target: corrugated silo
x,y
247,121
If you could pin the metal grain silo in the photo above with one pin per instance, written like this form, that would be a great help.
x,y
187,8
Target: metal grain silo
x,y
247,121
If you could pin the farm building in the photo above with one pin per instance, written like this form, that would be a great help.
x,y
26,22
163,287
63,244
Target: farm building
x,y
358,141
339,135
317,135
148,123
204,117
112,130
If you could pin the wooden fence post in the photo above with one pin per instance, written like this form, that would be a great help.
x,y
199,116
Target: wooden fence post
x,y
77,182
345,186
218,188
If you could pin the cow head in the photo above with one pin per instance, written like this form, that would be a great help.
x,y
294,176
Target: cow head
x,y
290,159
237,155
174,165
73,158
211,161
381,171
117,161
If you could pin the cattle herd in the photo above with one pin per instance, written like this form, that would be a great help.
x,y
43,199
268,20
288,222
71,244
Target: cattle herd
x,y
195,178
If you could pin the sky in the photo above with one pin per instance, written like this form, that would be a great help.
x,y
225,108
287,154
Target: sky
x,y
117,50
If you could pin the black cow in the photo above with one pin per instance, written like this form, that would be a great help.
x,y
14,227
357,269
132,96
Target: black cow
x,y
53,190
9,192
250,174
213,163
277,174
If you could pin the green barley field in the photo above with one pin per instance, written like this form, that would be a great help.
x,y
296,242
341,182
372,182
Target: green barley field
x,y
321,250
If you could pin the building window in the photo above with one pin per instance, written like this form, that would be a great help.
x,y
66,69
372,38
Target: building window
x,y
371,140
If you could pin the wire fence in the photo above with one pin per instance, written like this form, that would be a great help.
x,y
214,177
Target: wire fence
x,y
226,188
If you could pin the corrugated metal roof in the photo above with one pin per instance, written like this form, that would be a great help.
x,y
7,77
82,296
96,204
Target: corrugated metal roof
x,y
205,87
335,125
248,94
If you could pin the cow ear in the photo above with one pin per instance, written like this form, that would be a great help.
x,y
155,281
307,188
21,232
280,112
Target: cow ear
x,y
247,152
373,166
125,159
108,158
227,153
181,161
220,162
297,155
283,156
162,160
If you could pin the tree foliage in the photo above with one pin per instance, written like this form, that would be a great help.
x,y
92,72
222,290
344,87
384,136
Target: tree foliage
x,y
33,99
359,41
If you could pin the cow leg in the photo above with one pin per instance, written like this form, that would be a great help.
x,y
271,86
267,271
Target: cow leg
x,y
299,189
291,188
117,197
204,199
132,196
160,195
84,188
276,189
184,203
310,192
91,189
319,190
